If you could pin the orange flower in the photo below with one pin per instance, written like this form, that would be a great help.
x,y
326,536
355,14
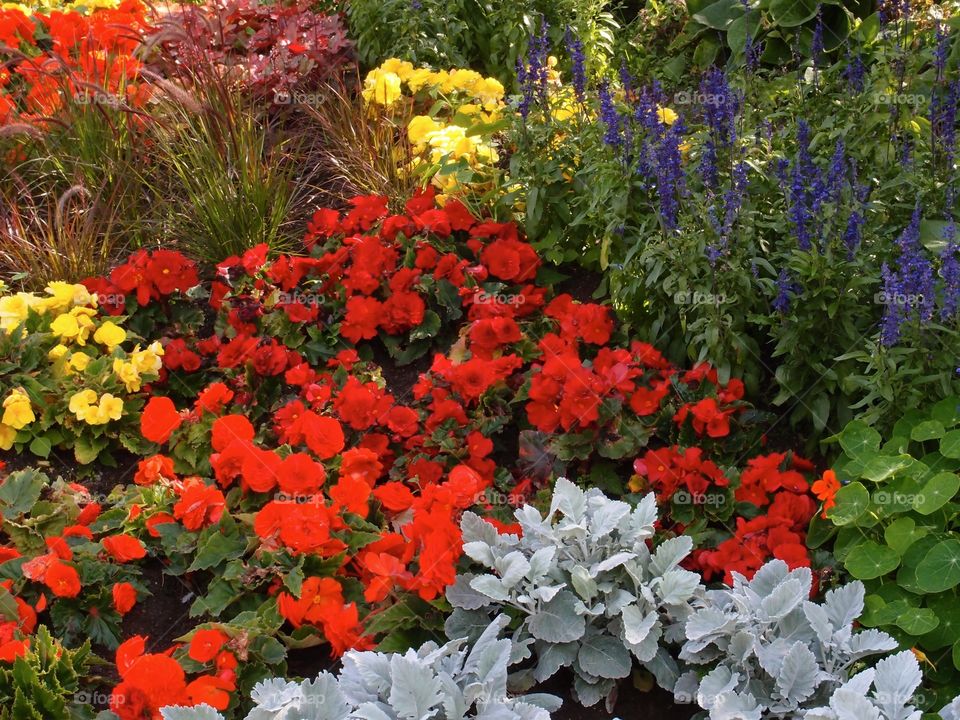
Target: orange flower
x,y
229,428
123,548
62,579
199,505
154,468
160,418
826,490
124,597
205,645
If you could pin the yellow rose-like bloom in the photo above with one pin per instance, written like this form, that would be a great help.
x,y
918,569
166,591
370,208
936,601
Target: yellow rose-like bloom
x,y
420,78
65,295
421,127
148,360
79,361
128,374
110,335
13,311
80,401
489,91
382,88
75,325
109,408
7,434
17,410
57,352
465,80
401,68
666,115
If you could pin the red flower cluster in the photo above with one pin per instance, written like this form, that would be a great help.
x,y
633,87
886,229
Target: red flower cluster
x,y
150,275
70,54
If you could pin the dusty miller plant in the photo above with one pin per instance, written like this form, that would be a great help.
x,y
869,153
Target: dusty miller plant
x,y
583,587
448,682
767,651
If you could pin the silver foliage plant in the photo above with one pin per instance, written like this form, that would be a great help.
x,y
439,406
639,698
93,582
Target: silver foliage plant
x,y
449,682
585,588
766,651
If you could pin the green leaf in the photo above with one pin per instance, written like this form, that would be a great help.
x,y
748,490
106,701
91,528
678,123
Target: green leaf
x,y
871,560
881,467
950,444
927,430
41,447
918,621
859,439
940,568
428,328
720,14
86,449
852,500
790,13
938,491
218,543
902,533
20,491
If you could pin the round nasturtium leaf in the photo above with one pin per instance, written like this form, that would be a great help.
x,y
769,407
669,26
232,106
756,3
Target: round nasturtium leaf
x,y
947,411
917,621
852,500
940,568
870,560
879,468
950,444
937,492
947,632
927,430
902,533
907,574
858,439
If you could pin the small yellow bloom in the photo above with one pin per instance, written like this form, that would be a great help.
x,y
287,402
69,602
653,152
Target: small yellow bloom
x,y
7,435
401,68
148,360
65,295
421,127
80,401
110,335
128,374
17,410
382,88
420,78
109,408
666,115
13,311
79,361
57,352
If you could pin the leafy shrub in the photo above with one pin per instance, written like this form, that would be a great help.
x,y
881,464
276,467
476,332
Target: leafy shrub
x,y
44,681
588,592
460,682
771,652
797,232
893,505
272,50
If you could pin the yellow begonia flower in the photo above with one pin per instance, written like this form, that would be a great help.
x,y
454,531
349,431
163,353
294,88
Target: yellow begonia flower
x,y
64,296
489,91
148,360
421,127
80,401
382,88
128,374
13,311
57,352
75,325
110,335
79,361
7,435
109,408
401,68
419,79
17,410
666,115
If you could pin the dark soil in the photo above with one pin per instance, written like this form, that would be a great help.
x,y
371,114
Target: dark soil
x,y
581,283
310,662
400,379
630,703
164,615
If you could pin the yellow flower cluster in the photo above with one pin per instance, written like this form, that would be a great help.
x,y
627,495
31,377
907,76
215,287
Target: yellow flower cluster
x,y
61,297
140,362
457,99
43,7
384,85
88,409
17,414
